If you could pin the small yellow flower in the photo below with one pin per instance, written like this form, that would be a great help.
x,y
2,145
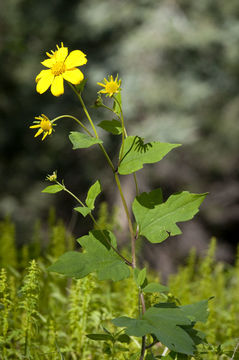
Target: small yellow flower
x,y
61,67
52,177
111,86
44,124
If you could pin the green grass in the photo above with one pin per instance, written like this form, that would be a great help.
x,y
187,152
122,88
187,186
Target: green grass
x,y
46,316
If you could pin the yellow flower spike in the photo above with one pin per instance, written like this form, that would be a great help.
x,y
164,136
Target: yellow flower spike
x,y
111,86
44,125
61,66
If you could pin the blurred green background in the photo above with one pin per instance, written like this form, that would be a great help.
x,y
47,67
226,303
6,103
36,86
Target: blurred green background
x,y
178,60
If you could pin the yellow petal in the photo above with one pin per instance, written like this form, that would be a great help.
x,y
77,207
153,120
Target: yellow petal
x,y
74,76
38,133
34,126
61,54
44,136
49,62
44,82
42,73
75,58
57,87
101,84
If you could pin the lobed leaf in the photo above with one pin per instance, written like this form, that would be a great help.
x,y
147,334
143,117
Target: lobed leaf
x,y
197,311
98,256
157,220
82,141
136,153
165,323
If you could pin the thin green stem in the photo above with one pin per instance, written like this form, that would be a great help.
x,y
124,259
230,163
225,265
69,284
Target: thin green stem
x,y
143,308
108,108
133,264
93,127
85,110
107,157
95,223
123,129
74,118
129,221
136,184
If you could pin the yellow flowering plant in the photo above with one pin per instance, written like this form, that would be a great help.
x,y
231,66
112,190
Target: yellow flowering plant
x,y
170,326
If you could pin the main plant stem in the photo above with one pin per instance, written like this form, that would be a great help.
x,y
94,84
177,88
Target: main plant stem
x,y
117,180
132,236
143,346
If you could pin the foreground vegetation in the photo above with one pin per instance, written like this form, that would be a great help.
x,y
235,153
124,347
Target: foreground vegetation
x,y
46,316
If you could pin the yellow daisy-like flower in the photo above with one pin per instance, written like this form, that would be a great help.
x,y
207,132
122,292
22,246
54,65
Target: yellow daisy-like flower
x,y
44,124
61,67
111,86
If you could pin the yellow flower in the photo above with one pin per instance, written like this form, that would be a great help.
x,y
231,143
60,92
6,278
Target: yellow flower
x,y
44,124
52,177
61,67
111,86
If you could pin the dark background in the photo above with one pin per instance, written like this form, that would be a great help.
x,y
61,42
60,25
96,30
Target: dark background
x,y
179,64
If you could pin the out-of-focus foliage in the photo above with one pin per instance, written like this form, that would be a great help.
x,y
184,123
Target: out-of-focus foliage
x,y
179,64
45,316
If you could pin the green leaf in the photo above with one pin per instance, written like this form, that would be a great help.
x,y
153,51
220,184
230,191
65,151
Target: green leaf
x,y
197,311
112,126
80,87
52,189
158,220
116,106
165,323
81,141
155,287
104,337
123,338
97,257
137,153
83,210
92,194
140,277
175,356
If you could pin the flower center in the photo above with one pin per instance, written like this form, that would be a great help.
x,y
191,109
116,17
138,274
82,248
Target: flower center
x,y
46,125
58,68
111,87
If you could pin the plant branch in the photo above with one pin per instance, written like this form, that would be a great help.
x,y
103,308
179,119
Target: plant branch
x,y
74,118
95,223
